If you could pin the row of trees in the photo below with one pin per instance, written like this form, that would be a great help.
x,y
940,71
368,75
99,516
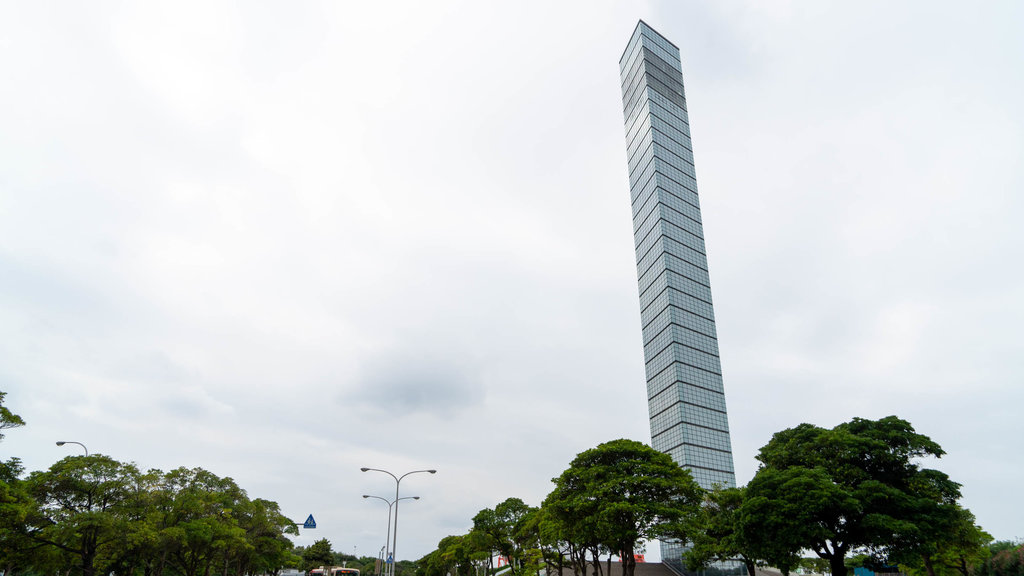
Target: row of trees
x,y
609,499
1004,559
855,489
320,553
96,515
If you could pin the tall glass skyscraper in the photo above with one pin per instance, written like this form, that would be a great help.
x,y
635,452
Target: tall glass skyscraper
x,y
685,396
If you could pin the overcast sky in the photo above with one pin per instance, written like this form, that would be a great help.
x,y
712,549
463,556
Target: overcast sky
x,y
282,241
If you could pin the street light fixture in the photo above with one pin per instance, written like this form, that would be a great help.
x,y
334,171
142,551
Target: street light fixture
x,y
63,442
398,482
387,538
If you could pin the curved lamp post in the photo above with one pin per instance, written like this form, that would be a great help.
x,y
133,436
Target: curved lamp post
x,y
387,538
398,482
63,442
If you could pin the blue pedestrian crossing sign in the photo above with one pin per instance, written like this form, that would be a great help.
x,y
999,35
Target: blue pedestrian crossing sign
x,y
309,523
391,559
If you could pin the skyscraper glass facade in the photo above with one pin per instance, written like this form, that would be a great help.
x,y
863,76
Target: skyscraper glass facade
x,y
685,396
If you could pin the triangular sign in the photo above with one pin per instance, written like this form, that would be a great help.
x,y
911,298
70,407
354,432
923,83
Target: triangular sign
x,y
309,523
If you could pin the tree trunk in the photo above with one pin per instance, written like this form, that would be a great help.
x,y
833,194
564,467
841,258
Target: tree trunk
x,y
751,567
159,569
579,568
88,562
628,563
837,564
928,564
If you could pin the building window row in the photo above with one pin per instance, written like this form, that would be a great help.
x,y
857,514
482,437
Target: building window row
x,y
676,352
654,196
682,253
670,215
678,333
682,379
650,37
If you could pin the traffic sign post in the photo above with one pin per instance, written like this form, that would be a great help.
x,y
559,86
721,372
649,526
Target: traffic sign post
x,y
309,523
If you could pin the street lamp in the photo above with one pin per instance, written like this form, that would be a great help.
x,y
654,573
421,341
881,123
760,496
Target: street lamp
x,y
387,538
63,442
398,482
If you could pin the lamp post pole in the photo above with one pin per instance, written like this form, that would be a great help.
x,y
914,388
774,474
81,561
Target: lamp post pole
x,y
63,442
387,541
398,482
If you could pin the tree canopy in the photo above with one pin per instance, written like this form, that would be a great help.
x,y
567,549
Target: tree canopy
x,y
857,486
622,492
90,515
505,530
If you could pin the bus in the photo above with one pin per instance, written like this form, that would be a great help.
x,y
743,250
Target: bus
x,y
334,571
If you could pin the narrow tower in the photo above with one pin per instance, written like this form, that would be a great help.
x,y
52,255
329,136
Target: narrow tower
x,y
685,396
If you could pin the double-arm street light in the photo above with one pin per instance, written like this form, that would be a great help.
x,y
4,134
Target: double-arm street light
x,y
387,538
398,482
63,442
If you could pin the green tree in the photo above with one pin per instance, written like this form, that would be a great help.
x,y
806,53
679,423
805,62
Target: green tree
x,y
945,542
80,503
199,528
502,530
527,537
1007,559
15,503
319,553
454,556
8,419
92,515
267,550
621,492
554,544
17,549
814,565
856,487
789,510
719,536
137,546
967,551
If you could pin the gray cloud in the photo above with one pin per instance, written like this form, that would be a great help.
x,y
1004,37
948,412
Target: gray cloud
x,y
232,239
406,384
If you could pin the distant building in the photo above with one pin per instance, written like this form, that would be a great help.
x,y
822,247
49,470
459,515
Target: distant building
x,y
685,395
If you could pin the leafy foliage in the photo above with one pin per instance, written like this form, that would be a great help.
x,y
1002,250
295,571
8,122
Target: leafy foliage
x,y
621,492
1007,559
318,554
719,537
856,487
504,531
609,499
8,419
89,515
